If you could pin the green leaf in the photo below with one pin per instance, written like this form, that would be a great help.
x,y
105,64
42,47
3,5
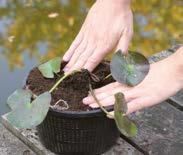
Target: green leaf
x,y
55,64
32,114
124,124
49,68
130,69
19,97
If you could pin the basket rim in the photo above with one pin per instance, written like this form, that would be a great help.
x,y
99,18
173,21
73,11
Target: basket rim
x,y
79,114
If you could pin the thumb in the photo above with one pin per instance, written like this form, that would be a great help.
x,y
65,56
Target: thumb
x,y
124,41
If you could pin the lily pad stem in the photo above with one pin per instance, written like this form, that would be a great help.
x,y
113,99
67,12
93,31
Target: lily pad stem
x,y
108,76
61,79
100,105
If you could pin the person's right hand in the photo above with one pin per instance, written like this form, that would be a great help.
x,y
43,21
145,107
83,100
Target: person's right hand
x,y
165,79
108,24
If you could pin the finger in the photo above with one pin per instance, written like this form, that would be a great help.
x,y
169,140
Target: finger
x,y
95,59
134,92
84,56
90,99
124,41
67,56
113,89
76,54
102,96
138,104
105,94
105,102
107,87
112,86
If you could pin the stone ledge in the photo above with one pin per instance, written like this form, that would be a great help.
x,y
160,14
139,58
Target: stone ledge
x,y
31,139
10,145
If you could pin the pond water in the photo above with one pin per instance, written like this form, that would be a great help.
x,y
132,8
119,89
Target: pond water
x,y
32,31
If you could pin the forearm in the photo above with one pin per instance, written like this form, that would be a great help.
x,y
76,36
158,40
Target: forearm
x,y
176,61
179,60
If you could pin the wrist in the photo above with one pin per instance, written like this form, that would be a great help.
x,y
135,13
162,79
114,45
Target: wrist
x,y
179,53
124,4
177,61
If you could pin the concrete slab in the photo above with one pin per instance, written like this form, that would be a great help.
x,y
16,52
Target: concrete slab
x,y
10,145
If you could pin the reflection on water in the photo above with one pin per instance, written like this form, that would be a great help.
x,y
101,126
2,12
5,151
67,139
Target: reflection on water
x,y
35,30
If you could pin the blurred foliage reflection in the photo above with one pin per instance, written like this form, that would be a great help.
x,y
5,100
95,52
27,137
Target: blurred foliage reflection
x,y
45,29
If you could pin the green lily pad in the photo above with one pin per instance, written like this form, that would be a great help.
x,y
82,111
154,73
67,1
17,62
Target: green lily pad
x,y
124,124
49,68
19,97
130,69
29,115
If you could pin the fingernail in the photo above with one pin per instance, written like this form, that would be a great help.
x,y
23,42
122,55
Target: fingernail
x,y
85,100
65,58
66,69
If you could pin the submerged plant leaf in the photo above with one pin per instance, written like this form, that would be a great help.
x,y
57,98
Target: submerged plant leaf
x,y
18,98
49,68
29,115
130,69
124,124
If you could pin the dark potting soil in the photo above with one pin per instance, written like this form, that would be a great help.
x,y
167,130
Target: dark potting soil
x,y
73,89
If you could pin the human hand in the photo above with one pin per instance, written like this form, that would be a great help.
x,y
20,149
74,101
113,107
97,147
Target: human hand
x,y
164,79
107,25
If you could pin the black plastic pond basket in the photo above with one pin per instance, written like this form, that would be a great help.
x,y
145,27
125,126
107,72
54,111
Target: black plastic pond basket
x,y
78,133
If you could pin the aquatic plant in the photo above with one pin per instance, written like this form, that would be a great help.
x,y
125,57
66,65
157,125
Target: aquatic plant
x,y
29,110
128,69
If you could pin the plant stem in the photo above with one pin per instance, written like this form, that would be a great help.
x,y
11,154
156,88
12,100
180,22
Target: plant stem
x,y
61,79
100,105
107,76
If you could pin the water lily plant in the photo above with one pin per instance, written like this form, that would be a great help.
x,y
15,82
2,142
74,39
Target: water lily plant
x,y
29,110
128,69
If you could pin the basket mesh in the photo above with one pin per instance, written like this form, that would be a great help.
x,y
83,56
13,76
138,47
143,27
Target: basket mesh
x,y
72,136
